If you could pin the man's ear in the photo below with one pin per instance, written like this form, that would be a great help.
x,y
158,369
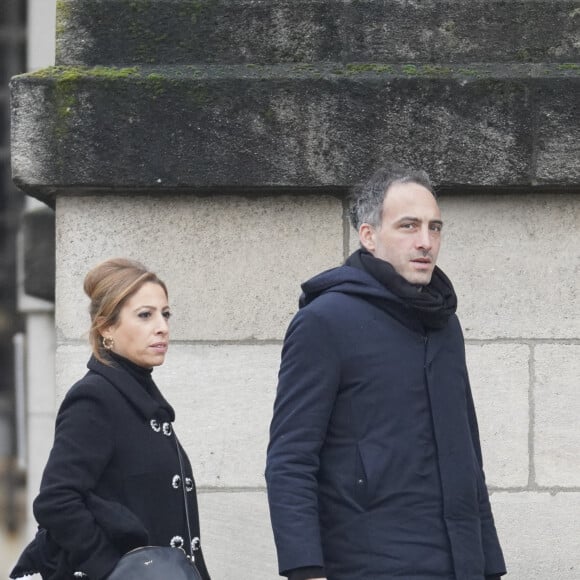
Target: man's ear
x,y
366,235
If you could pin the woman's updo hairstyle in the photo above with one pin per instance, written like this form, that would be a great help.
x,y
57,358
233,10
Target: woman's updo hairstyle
x,y
109,285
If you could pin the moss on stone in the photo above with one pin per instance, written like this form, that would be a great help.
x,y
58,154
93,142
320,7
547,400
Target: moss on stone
x,y
410,69
63,13
523,55
436,70
353,68
154,82
75,73
468,72
569,66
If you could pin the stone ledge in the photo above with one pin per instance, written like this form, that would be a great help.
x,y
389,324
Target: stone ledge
x,y
119,32
281,128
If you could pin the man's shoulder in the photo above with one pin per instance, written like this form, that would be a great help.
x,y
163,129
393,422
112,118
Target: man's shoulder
x,y
333,303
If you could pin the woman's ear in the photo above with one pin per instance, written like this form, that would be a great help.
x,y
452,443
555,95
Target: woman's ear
x,y
366,235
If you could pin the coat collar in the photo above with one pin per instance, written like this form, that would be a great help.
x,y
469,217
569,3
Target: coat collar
x,y
140,397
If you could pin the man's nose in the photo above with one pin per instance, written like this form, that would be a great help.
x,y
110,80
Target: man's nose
x,y
424,240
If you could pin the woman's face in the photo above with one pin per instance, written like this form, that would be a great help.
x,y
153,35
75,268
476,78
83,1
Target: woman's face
x,y
142,331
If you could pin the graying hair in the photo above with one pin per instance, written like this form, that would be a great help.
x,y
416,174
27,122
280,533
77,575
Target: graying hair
x,y
366,200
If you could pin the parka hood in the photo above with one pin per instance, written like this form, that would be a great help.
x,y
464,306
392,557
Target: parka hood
x,y
376,282
346,280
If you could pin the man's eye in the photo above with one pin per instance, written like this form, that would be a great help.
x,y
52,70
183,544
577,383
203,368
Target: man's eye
x,y
436,227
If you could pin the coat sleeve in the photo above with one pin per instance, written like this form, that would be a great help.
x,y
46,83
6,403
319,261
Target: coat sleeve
x,y
307,386
82,448
494,561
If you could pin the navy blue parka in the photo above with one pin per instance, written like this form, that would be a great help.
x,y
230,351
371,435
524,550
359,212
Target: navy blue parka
x,y
374,467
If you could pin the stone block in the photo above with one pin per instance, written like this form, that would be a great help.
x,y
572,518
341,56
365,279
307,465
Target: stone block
x,y
559,133
540,534
514,264
225,31
71,365
500,379
238,128
236,535
223,396
557,408
233,265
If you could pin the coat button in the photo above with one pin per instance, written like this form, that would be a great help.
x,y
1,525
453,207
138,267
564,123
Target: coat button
x,y
175,482
360,481
167,429
155,425
188,484
176,542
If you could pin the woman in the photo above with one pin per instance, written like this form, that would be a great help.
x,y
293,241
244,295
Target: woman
x,y
112,481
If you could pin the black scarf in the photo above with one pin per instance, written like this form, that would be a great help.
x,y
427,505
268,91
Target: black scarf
x,y
432,304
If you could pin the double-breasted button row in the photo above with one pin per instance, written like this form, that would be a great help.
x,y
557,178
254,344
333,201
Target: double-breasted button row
x,y
161,427
176,482
179,542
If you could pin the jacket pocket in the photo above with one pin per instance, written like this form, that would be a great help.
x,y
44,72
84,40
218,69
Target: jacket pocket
x,y
360,480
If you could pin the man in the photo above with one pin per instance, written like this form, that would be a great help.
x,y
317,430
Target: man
x,y
374,464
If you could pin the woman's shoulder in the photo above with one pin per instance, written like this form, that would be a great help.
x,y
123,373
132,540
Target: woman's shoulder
x,y
92,386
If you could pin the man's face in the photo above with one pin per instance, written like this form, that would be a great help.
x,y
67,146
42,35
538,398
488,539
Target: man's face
x,y
409,236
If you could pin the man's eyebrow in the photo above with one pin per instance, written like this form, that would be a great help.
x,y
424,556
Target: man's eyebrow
x,y
416,219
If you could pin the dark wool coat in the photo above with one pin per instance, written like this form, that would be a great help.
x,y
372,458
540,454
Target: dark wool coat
x,y
374,466
114,444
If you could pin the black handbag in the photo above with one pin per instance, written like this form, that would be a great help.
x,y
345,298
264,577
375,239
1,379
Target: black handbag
x,y
155,563
159,562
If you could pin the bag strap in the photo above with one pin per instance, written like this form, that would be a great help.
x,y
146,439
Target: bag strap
x,y
190,555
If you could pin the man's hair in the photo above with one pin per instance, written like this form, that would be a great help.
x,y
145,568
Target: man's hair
x,y
366,200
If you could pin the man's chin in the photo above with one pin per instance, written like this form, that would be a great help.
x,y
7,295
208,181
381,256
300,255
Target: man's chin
x,y
419,279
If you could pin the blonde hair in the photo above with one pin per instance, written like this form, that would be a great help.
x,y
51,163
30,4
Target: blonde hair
x,y
109,285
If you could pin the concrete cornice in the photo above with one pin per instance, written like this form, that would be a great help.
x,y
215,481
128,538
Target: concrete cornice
x,y
282,96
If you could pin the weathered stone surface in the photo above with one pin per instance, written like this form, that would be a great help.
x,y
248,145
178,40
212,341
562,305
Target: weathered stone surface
x,y
237,536
558,134
500,381
225,395
241,128
233,265
557,400
514,264
540,534
118,32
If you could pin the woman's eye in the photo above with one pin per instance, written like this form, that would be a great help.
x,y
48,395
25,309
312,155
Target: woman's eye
x,y
144,314
167,315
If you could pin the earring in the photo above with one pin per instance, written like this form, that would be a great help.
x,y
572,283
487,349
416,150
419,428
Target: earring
x,y
108,343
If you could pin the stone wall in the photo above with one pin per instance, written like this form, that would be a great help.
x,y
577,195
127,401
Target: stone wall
x,y
234,264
